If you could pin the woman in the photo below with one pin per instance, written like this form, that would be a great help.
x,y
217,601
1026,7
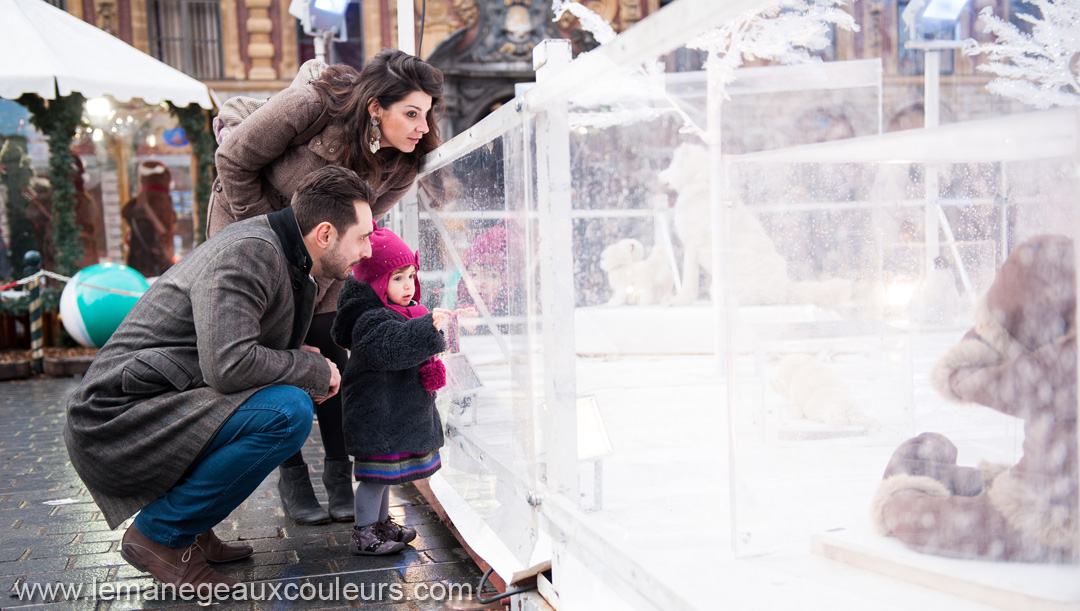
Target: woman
x,y
380,123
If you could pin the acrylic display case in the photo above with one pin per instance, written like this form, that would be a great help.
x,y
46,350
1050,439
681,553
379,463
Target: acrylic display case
x,y
700,336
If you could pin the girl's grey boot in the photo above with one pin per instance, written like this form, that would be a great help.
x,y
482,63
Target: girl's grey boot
x,y
298,497
337,477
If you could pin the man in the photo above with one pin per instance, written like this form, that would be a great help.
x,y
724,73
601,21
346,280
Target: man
x,y
205,387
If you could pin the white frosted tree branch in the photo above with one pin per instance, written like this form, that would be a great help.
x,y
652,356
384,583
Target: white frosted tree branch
x,y
1039,69
590,21
784,31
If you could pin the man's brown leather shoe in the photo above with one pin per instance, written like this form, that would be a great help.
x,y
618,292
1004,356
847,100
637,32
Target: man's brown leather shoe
x,y
171,565
216,550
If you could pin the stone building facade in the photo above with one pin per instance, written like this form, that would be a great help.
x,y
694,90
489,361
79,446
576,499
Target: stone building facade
x,y
254,47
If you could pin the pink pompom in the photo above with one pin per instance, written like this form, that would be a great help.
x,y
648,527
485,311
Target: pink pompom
x,y
432,375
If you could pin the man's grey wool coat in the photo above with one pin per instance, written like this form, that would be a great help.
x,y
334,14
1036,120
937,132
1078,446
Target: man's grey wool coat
x,y
223,323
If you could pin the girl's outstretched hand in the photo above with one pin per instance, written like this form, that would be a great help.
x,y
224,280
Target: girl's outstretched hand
x,y
439,317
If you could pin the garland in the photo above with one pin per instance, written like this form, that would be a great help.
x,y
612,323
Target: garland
x,y
196,124
57,119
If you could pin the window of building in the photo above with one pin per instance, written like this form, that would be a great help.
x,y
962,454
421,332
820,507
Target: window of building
x,y
186,34
1022,7
60,4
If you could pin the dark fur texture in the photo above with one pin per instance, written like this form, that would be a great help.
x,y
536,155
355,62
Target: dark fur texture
x,y
386,408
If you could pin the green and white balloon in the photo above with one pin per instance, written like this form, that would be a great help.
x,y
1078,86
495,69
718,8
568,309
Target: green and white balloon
x,y
90,312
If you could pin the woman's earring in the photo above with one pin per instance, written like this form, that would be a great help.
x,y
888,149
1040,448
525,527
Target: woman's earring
x,y
376,133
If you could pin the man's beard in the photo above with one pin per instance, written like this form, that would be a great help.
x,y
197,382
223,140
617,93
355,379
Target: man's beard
x,y
334,265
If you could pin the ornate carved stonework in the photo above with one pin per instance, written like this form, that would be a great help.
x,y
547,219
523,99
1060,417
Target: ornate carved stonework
x,y
105,16
493,50
260,48
605,8
440,21
621,14
629,12
467,11
509,31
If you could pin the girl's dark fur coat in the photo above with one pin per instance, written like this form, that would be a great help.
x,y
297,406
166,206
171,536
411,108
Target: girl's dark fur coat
x,y
386,409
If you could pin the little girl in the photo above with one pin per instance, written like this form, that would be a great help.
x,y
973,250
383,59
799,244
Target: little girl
x,y
388,387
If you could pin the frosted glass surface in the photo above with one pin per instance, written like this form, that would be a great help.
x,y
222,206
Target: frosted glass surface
x,y
741,380
474,254
827,386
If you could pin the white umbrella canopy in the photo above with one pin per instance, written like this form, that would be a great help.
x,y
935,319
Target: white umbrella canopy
x,y
45,49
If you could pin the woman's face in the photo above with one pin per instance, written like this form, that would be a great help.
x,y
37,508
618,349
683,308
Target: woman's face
x,y
404,123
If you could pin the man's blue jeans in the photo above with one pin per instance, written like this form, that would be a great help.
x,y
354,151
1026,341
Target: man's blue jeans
x,y
266,429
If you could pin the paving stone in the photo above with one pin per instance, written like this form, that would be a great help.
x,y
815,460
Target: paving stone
x,y
12,553
33,567
287,543
430,530
73,508
134,604
255,533
272,558
456,572
297,530
73,543
69,586
103,535
444,541
70,550
94,561
280,572
447,555
126,571
316,554
57,529
350,563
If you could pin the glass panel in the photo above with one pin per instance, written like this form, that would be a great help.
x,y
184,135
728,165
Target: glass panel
x,y
889,263
476,253
754,325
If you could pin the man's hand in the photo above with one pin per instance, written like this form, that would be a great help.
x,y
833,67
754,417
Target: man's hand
x,y
335,375
335,381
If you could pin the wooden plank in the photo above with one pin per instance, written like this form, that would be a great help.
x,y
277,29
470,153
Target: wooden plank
x,y
927,574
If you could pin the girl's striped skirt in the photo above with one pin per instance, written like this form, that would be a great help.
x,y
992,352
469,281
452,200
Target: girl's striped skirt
x,y
392,469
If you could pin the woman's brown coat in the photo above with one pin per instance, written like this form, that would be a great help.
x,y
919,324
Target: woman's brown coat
x,y
259,166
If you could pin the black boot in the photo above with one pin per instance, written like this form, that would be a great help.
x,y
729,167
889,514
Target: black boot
x,y
337,477
298,497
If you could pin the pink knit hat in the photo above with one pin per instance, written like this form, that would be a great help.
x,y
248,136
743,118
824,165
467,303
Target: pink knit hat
x,y
388,253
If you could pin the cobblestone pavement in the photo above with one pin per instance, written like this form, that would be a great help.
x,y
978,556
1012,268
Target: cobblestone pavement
x,y
46,539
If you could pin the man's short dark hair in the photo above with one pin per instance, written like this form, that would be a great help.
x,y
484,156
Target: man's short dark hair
x,y
328,195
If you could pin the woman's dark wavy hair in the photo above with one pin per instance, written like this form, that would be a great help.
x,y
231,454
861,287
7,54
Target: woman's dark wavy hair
x,y
388,77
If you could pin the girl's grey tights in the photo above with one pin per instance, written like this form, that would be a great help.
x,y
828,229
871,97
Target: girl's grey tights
x,y
372,503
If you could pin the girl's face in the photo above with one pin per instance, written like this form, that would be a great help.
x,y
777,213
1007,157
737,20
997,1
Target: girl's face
x,y
404,123
401,286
